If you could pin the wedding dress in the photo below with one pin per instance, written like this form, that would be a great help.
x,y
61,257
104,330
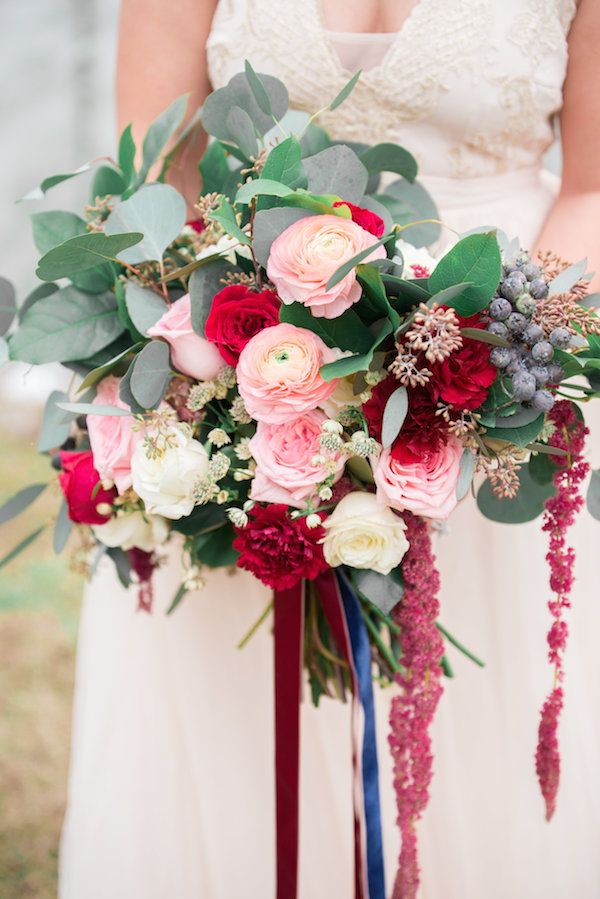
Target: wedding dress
x,y
171,788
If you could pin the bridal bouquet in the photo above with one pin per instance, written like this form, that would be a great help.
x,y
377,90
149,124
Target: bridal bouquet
x,y
290,383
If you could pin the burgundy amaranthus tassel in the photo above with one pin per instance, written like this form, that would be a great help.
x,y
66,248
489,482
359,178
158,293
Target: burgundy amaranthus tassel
x,y
559,515
413,708
143,564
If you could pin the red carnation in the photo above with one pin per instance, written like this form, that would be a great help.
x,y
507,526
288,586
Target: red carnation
x,y
463,379
236,315
422,432
198,225
368,220
279,550
78,479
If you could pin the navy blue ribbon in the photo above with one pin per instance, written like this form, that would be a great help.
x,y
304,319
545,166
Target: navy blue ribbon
x,y
359,639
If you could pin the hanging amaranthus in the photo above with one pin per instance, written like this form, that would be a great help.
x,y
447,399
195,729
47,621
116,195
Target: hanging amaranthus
x,y
414,707
561,509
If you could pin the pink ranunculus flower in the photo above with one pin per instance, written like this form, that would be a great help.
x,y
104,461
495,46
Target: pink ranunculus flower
x,y
279,376
112,437
427,487
305,256
191,354
284,455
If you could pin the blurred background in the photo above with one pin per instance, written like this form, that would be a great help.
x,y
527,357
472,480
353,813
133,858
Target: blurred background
x,y
56,112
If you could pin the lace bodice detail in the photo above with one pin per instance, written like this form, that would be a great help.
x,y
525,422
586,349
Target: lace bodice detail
x,y
471,87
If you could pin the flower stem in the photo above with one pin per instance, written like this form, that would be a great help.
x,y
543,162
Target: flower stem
x,y
451,639
256,625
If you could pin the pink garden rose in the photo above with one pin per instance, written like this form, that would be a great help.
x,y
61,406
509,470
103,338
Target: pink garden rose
x,y
278,373
284,454
112,437
191,354
304,257
426,487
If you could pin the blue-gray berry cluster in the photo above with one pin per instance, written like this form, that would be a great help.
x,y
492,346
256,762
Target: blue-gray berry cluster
x,y
529,361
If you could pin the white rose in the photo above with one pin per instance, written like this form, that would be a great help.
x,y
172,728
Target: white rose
x,y
129,529
363,533
166,482
341,397
415,257
227,246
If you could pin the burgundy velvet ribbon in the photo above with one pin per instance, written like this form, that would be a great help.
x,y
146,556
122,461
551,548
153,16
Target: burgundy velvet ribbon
x,y
289,643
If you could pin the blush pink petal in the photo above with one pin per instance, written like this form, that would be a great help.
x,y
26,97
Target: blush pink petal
x,y
191,354
112,438
305,256
425,488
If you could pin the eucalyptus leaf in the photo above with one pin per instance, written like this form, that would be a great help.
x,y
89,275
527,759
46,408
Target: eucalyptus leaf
x,y
337,170
97,374
345,91
388,157
238,93
20,501
484,337
215,549
349,365
258,89
380,589
45,289
158,212
526,506
465,474
593,495
541,468
590,301
393,416
314,139
204,283
55,429
261,186
346,332
94,409
54,227
241,130
160,133
84,252
144,306
107,181
52,180
4,355
475,259
126,155
226,216
121,563
444,297
519,435
62,528
347,266
214,168
22,545
68,325
284,164
268,224
151,374
8,305
568,277
410,202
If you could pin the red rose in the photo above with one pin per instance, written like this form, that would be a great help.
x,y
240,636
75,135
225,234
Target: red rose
x,y
78,479
463,379
368,220
197,224
236,315
422,432
279,550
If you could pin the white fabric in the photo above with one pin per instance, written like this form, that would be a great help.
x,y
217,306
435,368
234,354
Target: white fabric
x,y
171,790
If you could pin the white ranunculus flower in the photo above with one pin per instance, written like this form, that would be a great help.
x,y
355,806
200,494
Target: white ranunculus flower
x,y
418,262
128,529
166,483
342,396
362,533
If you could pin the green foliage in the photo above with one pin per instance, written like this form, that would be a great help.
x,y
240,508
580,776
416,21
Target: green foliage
x,y
345,91
268,224
126,156
38,293
465,475
349,365
238,94
541,468
337,170
390,157
215,548
23,544
20,501
527,505
97,374
107,181
84,252
214,168
150,374
475,259
347,266
8,305
261,186
62,528
314,140
68,325
52,228
410,202
55,429
346,331
226,217
568,277
593,495
258,89
204,283
52,180
384,591
144,306
156,210
393,416
159,134
519,434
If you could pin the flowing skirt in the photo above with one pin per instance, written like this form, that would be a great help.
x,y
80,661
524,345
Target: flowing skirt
x,y
172,788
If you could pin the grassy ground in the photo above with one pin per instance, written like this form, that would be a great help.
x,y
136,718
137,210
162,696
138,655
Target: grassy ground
x,y
39,600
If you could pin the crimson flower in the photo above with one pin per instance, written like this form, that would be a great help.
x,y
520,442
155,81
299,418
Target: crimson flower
x,y
279,550
78,479
368,220
423,432
463,379
236,315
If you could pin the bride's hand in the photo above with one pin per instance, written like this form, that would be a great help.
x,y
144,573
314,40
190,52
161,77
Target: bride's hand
x,y
162,55
572,228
